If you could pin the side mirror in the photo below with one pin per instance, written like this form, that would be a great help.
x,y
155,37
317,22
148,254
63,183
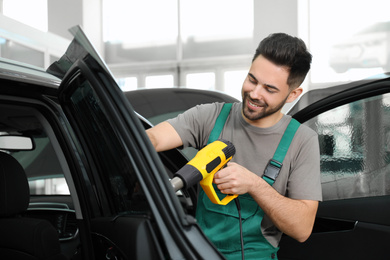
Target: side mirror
x,y
16,143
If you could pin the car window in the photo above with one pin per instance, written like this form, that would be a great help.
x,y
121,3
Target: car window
x,y
48,186
355,151
107,155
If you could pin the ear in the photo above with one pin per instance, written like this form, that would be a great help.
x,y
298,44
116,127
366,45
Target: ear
x,y
294,94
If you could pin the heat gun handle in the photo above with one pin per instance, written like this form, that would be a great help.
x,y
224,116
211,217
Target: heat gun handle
x,y
208,188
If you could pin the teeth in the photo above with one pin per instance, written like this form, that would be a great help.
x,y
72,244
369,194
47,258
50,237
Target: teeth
x,y
253,104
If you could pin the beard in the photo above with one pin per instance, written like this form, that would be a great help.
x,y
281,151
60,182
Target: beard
x,y
265,110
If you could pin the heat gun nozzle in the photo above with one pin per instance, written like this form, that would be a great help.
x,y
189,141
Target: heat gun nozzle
x,y
177,183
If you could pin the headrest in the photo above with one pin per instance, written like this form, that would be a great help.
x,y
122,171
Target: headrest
x,y
14,189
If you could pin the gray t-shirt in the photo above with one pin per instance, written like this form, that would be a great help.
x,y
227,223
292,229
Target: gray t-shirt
x,y
299,177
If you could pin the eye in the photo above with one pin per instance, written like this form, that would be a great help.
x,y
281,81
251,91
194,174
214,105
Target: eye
x,y
252,80
270,89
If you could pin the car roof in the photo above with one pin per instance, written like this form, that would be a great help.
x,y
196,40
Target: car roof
x,y
22,72
314,96
157,105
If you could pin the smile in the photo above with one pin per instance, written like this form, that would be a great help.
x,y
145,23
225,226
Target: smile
x,y
252,104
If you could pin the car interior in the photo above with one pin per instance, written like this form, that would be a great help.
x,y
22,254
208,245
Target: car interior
x,y
37,201
23,235
39,190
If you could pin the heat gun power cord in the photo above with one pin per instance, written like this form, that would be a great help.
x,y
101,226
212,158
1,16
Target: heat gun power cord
x,y
240,219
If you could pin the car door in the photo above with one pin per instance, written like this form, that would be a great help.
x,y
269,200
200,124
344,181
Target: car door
x,y
353,220
124,188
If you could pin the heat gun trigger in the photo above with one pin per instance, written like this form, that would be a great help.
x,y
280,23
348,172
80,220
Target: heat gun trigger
x,y
223,166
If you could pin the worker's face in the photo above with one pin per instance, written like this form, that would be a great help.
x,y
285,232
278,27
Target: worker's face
x,y
265,90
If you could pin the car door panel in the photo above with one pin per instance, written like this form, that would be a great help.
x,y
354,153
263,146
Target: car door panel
x,y
353,220
345,229
137,210
138,242
364,241
114,176
371,210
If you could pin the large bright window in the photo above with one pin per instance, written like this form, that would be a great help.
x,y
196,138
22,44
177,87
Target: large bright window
x,y
30,12
233,81
159,81
195,41
153,30
349,40
203,80
205,20
216,28
140,23
128,83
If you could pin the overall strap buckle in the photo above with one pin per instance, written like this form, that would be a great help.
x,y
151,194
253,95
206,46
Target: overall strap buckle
x,y
272,170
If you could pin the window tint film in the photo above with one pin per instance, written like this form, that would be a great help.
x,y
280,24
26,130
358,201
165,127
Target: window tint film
x,y
116,175
354,140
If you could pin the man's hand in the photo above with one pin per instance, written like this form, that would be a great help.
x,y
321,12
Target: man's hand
x,y
293,217
234,179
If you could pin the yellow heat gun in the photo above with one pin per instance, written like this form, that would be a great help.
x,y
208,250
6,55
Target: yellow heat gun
x,y
202,168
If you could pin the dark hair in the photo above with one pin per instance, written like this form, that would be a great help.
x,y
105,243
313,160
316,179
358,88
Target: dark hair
x,y
285,50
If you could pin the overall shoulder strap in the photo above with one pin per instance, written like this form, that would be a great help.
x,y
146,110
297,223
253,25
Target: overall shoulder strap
x,y
220,122
275,164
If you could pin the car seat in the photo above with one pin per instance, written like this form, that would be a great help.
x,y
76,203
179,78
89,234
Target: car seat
x,y
22,238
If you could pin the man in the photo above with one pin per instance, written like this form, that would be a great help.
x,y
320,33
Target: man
x,y
255,127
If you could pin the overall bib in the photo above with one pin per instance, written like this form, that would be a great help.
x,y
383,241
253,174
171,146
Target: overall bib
x,y
220,223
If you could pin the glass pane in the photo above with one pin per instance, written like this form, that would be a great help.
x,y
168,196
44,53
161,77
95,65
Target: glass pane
x,y
139,30
140,23
32,13
233,82
355,155
127,84
220,20
216,28
351,45
160,81
17,52
204,80
49,186
117,177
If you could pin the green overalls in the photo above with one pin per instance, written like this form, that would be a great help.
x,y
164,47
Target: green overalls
x,y
221,222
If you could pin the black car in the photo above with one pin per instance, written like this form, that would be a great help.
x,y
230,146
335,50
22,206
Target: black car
x,y
118,202
96,180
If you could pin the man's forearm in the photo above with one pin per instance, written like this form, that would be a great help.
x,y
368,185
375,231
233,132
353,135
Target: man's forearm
x,y
295,218
164,137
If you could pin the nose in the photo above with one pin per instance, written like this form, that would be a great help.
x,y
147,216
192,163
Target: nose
x,y
256,91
